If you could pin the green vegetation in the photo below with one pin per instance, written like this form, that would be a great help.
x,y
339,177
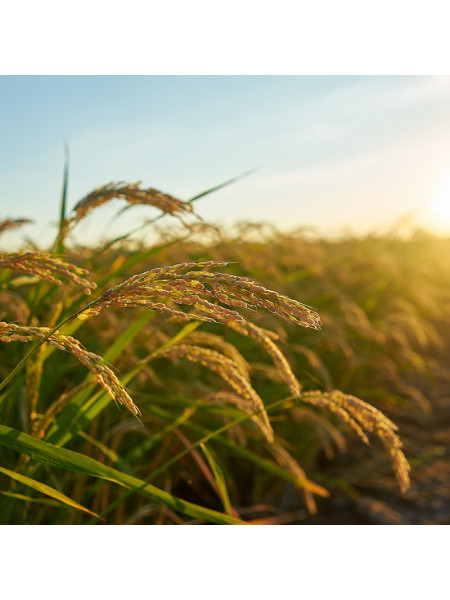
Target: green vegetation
x,y
241,408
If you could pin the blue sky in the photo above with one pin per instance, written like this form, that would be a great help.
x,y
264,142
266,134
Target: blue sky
x,y
331,152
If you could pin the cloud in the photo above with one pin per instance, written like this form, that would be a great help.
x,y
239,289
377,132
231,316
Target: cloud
x,y
386,94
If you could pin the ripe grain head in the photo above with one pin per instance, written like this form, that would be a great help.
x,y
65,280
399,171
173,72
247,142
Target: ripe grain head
x,y
9,332
193,288
363,417
46,267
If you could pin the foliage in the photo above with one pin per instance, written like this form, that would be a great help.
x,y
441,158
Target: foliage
x,y
231,385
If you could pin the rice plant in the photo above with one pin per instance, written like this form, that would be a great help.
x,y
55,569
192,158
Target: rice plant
x,y
196,383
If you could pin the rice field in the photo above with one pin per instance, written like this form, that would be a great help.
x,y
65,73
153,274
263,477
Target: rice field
x,y
227,377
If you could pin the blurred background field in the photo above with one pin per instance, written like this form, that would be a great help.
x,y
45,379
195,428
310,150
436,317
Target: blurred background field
x,y
384,303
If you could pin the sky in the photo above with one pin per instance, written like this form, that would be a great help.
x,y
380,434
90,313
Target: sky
x,y
334,153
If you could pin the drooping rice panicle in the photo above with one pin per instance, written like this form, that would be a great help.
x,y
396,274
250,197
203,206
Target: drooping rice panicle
x,y
218,343
322,399
227,369
46,267
7,224
364,417
10,332
192,288
132,194
247,293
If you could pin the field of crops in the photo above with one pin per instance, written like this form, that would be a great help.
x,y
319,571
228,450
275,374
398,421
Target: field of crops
x,y
190,380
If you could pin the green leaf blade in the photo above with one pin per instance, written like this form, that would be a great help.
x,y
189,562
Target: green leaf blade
x,y
73,461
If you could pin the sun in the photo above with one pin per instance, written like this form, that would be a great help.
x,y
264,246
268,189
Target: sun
x,y
440,205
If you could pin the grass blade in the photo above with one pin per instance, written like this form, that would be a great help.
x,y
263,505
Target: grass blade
x,y
47,490
219,478
59,243
73,461
218,187
24,498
